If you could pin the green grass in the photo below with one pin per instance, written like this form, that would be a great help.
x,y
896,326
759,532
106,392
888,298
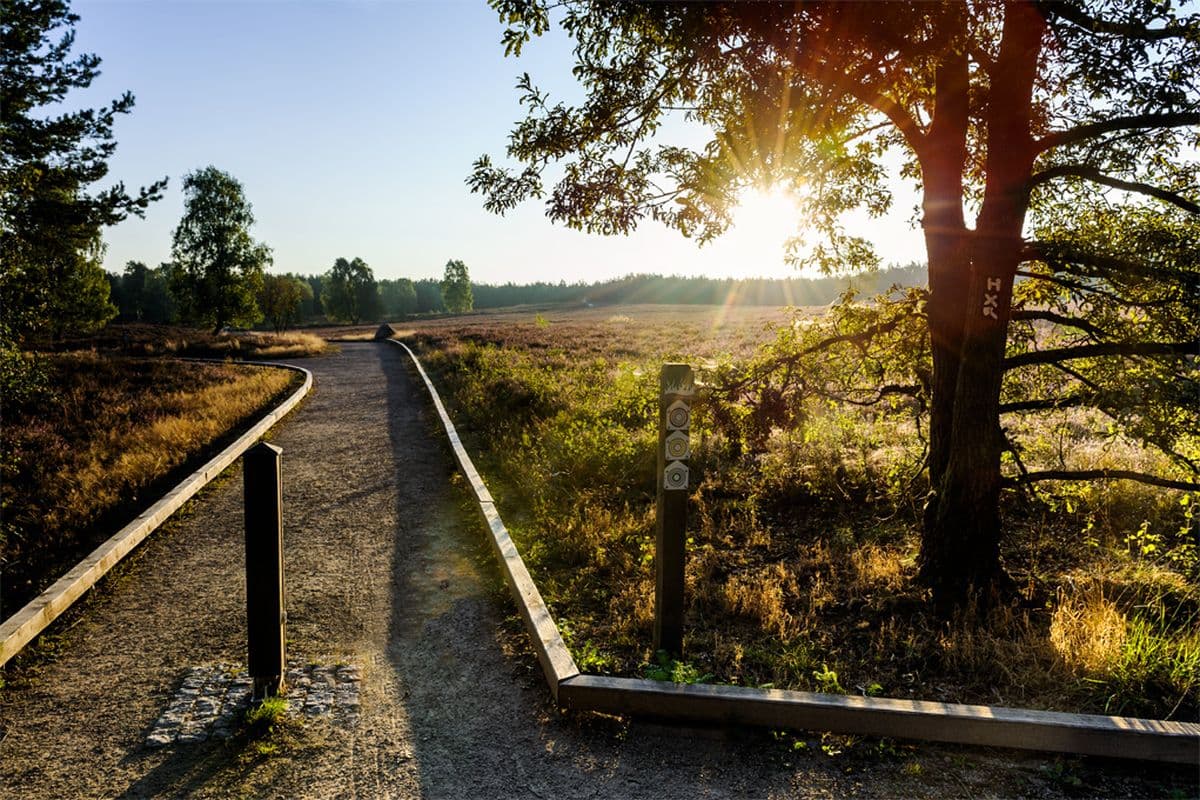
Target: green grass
x,y
803,534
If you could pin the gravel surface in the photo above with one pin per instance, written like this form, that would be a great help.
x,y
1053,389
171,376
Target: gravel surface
x,y
388,571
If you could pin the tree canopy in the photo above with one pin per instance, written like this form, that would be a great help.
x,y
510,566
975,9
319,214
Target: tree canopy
x,y
456,288
217,266
1031,128
397,297
50,216
280,299
350,292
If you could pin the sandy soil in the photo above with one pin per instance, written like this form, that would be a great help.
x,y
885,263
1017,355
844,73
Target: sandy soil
x,y
387,568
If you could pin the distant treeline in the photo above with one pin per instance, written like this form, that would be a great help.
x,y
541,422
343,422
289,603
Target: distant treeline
x,y
144,295
676,290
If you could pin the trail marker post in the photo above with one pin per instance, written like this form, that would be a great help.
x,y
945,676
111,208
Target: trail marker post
x,y
674,450
265,614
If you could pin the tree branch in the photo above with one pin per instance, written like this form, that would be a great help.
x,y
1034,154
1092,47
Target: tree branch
x,y
1096,176
1048,403
1083,287
1104,349
1065,258
883,391
859,340
1129,30
819,71
1058,319
1103,474
1093,129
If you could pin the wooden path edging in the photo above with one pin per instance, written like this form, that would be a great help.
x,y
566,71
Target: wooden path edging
x,y
23,626
552,652
993,726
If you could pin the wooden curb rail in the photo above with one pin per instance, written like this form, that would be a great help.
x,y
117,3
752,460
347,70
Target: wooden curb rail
x,y
552,652
23,626
995,726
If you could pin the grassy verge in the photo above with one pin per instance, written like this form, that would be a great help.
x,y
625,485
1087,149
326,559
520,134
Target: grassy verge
x,y
802,550
170,340
112,434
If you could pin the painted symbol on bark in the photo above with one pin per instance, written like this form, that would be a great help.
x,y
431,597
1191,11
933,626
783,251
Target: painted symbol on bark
x,y
679,416
677,446
991,298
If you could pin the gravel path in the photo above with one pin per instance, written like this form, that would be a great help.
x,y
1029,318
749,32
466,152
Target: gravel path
x,y
388,572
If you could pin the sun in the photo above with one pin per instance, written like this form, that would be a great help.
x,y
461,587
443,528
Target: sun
x,y
762,224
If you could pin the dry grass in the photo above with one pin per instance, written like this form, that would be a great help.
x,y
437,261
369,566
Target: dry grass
x,y
292,344
172,340
615,332
1087,630
101,448
350,334
761,595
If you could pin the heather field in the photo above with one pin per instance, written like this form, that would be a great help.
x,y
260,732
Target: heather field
x,y
805,514
105,438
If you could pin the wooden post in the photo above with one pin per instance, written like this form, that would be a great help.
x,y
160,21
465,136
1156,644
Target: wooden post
x,y
675,420
265,614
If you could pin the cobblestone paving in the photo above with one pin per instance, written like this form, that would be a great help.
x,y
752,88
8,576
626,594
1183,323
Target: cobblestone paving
x,y
212,697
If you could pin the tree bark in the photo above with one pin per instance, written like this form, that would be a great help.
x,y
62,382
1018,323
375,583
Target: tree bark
x,y
943,160
960,549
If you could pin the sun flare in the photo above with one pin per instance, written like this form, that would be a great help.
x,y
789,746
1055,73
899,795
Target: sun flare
x,y
762,224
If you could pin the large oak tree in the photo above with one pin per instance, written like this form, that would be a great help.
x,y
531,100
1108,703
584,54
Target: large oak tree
x,y
1050,140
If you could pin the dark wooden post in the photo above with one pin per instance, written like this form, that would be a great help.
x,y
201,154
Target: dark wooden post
x,y
675,420
265,615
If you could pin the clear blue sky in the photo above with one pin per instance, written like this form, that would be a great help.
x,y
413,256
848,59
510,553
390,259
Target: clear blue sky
x,y
352,126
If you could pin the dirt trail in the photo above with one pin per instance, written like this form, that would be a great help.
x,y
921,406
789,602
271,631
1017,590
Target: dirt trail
x,y
387,568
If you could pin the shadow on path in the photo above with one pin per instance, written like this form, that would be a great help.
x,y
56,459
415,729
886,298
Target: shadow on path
x,y
483,724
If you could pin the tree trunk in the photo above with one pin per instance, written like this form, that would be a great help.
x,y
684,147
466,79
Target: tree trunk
x,y
943,161
960,548
960,553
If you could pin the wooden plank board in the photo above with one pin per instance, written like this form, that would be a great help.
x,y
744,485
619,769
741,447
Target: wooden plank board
x,y
1087,734
23,626
460,453
552,652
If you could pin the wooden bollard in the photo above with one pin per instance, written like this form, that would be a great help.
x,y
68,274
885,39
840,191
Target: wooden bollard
x,y
265,614
674,449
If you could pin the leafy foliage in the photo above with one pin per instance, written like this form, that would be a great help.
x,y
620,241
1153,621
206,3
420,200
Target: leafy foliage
x,y
1108,317
456,288
280,299
143,294
1011,112
217,268
398,298
349,291
50,224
